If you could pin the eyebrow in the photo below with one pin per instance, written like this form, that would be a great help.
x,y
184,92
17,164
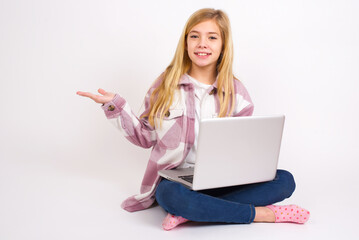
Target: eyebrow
x,y
194,31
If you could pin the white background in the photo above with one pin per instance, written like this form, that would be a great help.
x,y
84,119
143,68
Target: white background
x,y
64,170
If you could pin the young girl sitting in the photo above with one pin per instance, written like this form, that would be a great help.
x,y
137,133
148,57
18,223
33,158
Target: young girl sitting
x,y
198,84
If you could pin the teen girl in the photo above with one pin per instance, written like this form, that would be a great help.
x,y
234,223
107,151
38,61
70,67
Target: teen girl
x,y
199,83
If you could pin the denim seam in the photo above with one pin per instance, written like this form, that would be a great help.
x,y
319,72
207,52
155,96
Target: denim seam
x,y
251,216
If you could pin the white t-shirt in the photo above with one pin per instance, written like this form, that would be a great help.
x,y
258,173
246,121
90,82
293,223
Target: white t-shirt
x,y
200,90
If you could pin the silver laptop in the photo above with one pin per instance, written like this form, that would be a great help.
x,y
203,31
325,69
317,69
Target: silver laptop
x,y
233,151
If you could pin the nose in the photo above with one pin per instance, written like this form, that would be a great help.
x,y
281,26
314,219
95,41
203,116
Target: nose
x,y
202,43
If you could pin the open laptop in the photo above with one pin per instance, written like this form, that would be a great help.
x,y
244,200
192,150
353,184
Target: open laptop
x,y
233,151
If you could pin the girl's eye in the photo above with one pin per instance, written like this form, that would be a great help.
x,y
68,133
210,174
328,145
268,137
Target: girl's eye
x,y
193,36
212,38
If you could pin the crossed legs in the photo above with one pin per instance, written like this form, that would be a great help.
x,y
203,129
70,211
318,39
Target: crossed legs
x,y
239,204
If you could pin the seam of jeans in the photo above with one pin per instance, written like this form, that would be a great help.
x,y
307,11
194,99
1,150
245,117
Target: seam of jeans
x,y
251,217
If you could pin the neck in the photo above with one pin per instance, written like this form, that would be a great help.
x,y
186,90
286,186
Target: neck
x,y
203,75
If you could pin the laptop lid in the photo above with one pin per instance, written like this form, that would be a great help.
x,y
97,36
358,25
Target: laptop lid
x,y
237,150
233,151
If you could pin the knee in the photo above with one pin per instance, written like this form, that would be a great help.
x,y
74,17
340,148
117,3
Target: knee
x,y
162,191
288,182
168,195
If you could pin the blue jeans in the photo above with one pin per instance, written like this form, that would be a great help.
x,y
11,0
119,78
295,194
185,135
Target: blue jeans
x,y
231,204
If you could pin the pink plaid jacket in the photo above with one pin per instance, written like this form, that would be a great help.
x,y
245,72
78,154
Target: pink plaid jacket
x,y
170,144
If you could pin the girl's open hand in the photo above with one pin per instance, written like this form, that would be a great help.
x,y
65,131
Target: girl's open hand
x,y
105,98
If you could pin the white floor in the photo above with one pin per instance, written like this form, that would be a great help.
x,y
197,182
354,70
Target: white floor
x,y
40,201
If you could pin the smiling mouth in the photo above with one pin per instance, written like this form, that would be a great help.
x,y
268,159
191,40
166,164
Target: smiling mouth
x,y
202,54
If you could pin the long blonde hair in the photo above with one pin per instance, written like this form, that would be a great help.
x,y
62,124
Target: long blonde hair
x,y
162,97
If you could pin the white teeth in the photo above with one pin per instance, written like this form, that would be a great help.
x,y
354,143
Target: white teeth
x,y
202,54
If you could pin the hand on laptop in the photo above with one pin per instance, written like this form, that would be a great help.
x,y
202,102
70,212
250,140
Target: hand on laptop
x,y
106,96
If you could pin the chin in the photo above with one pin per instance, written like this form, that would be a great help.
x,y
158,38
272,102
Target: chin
x,y
204,65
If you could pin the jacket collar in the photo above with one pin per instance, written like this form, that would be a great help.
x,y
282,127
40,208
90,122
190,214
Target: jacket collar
x,y
184,80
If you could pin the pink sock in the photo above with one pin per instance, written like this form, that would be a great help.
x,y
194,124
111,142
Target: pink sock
x,y
289,213
172,221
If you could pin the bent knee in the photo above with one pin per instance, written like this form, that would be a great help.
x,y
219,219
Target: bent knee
x,y
163,190
169,195
287,179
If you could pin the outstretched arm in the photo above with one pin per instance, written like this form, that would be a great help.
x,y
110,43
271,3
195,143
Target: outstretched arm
x,y
117,110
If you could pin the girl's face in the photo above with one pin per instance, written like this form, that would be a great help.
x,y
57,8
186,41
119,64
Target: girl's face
x,y
204,44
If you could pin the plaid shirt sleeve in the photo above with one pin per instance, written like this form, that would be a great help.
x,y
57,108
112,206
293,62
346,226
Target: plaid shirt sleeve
x,y
244,105
136,130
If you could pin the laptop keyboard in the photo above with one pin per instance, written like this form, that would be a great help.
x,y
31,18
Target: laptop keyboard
x,y
188,178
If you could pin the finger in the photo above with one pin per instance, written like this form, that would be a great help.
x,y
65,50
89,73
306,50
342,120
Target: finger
x,y
89,95
101,91
84,94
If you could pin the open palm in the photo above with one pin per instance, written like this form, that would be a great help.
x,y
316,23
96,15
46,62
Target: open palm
x,y
103,98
